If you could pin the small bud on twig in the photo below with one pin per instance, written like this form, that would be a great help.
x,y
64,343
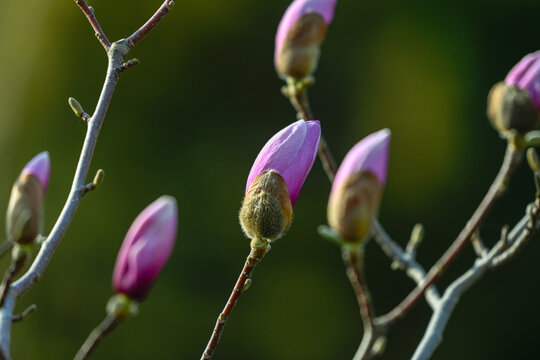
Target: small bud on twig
x,y
25,314
98,179
128,64
417,235
78,109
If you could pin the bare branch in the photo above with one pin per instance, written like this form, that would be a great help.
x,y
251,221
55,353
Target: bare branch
x,y
405,261
151,23
89,13
504,250
242,284
512,157
353,259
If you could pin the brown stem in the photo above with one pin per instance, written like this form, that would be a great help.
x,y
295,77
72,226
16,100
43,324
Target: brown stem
x,y
353,259
151,23
100,34
253,259
299,100
106,327
512,157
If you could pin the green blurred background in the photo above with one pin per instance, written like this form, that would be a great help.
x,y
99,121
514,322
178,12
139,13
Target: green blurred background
x,y
190,120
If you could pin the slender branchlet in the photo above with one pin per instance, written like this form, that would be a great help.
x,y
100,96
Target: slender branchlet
x,y
117,53
296,92
259,248
512,158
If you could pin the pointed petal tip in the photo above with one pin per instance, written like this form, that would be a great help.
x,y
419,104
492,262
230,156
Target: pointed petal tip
x,y
39,166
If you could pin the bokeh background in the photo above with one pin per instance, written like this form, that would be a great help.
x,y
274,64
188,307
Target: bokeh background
x,y
190,120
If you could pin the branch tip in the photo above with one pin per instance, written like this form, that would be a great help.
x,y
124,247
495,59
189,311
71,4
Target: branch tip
x,y
78,109
25,314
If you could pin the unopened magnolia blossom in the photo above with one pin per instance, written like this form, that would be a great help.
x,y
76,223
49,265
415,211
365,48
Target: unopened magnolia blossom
x,y
514,105
276,177
299,36
24,217
146,248
358,185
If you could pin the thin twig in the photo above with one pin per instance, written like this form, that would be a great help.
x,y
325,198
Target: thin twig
x,y
25,314
253,259
117,54
512,157
499,254
108,324
405,261
89,13
297,95
151,23
353,259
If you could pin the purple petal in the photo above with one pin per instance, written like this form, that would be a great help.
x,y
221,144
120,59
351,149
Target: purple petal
x,y
295,11
370,154
526,75
40,167
291,152
146,248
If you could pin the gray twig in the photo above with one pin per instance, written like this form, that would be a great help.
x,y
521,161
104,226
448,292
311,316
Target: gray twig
x,y
505,249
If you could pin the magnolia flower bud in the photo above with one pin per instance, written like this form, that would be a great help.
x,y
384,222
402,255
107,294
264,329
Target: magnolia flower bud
x,y
24,217
515,103
299,36
146,248
276,178
357,187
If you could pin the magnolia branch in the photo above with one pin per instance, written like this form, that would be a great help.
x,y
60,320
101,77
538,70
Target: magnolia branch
x,y
116,54
512,158
504,250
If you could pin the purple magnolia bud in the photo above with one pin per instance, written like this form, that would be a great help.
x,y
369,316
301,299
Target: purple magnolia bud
x,y
275,180
146,248
358,185
513,105
24,217
526,75
299,36
40,167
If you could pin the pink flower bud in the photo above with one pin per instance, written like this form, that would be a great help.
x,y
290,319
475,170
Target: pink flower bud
x,y
291,152
299,35
357,187
146,248
276,178
40,167
24,216
526,75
